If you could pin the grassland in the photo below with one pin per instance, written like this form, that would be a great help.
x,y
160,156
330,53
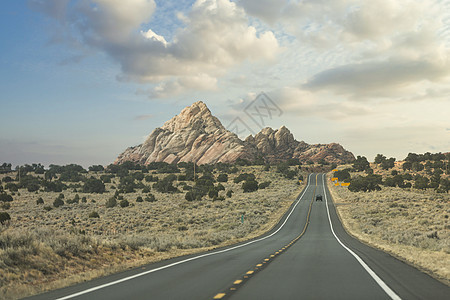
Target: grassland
x,y
42,250
410,224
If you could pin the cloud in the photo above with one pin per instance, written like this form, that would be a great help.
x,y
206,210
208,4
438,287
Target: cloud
x,y
378,78
215,37
143,117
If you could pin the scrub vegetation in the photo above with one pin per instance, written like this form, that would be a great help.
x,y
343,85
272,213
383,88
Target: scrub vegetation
x,y
65,224
402,213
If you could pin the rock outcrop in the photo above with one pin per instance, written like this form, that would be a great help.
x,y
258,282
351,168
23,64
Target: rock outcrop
x,y
195,135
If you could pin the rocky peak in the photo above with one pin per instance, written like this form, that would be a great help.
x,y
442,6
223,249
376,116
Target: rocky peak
x,y
197,117
195,135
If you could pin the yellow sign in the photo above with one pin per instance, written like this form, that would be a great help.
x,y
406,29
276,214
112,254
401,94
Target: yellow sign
x,y
345,184
335,170
336,184
334,179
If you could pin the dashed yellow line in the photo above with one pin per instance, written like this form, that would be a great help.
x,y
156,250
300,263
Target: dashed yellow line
x,y
219,296
237,282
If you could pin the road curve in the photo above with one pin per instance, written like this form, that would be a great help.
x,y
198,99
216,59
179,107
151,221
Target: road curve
x,y
300,258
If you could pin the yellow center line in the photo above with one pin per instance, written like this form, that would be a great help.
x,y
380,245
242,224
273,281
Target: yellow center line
x,y
219,296
237,281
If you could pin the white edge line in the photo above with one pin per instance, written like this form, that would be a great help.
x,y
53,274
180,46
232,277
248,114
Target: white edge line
x,y
189,259
377,279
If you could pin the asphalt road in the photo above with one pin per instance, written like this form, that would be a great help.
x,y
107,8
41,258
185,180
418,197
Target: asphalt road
x,y
303,257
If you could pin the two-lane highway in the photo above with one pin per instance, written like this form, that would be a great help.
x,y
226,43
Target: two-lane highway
x,y
321,262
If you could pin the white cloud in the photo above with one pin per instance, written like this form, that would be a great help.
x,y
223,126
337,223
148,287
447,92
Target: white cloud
x,y
216,36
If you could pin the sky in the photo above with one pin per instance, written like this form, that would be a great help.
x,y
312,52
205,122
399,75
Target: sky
x,y
82,80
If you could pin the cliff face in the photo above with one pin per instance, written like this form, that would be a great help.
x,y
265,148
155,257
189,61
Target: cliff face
x,y
196,135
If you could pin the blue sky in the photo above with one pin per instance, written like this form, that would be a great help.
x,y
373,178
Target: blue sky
x,y
83,80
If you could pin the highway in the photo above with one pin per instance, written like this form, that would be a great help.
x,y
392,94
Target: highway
x,y
308,255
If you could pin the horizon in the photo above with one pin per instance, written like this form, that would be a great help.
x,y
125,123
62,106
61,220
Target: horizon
x,y
80,88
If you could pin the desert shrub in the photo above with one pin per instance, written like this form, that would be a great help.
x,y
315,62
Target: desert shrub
x,y
263,185
388,163
40,201
250,186
105,178
54,186
361,164
5,197
12,187
7,179
94,214
213,193
84,200
150,198
182,177
58,202
94,185
146,189
4,217
127,184
139,199
220,187
222,178
111,202
71,176
138,176
343,175
165,185
229,193
48,208
151,178
421,182
366,184
124,203
96,168
244,176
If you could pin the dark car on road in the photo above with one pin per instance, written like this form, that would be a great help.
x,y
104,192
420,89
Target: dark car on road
x,y
319,198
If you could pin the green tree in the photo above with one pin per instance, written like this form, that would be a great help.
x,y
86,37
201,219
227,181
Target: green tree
x,y
94,185
380,158
361,164
222,178
250,186
366,184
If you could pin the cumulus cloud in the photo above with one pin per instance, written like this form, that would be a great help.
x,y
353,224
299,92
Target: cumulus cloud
x,y
215,36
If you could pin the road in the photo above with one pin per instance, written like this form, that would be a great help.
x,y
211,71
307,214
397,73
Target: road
x,y
308,255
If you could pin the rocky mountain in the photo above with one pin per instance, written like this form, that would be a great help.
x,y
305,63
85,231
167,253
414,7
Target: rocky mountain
x,y
196,135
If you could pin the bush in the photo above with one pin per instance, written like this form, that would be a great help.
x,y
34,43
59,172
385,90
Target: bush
x,y
139,199
150,198
5,197
7,179
94,185
220,187
166,185
146,190
58,202
244,176
40,201
222,178
361,164
213,193
48,208
94,214
229,193
4,217
365,184
111,202
250,186
342,175
124,203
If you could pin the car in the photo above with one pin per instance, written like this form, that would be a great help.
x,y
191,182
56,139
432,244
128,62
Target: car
x,y
319,198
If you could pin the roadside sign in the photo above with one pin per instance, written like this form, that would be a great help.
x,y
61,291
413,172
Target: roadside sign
x,y
334,179
335,170
345,184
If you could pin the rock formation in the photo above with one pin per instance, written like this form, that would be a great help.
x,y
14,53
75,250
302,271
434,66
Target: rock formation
x,y
196,135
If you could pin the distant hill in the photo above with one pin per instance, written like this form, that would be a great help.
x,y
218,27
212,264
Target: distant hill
x,y
195,135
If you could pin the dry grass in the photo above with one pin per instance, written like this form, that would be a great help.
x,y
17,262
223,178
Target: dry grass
x,y
42,250
410,224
